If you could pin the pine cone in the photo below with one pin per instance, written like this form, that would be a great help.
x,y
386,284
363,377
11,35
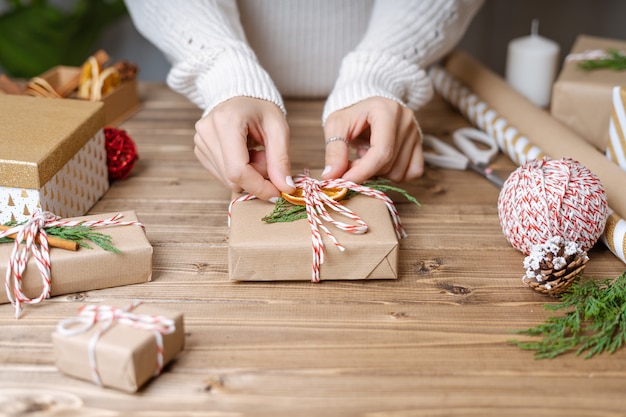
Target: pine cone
x,y
553,266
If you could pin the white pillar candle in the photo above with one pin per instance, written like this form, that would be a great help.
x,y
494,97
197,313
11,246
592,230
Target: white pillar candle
x,y
531,65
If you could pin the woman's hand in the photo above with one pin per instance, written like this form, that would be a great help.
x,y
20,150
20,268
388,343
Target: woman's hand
x,y
387,138
221,145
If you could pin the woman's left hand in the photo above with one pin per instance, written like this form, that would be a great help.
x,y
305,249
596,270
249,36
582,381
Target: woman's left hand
x,y
387,138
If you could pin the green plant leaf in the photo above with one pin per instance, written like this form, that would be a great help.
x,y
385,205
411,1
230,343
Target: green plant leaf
x,y
35,37
31,40
594,322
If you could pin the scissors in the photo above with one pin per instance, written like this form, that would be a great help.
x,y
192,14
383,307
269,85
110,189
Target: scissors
x,y
471,155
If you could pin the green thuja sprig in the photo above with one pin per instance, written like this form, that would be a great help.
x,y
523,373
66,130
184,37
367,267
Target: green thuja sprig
x,y
384,186
594,323
79,234
284,211
615,61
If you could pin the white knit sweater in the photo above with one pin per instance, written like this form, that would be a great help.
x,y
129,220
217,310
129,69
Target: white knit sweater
x,y
346,50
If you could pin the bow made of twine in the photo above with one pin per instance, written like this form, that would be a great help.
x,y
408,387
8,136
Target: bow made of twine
x,y
31,237
317,204
90,315
590,54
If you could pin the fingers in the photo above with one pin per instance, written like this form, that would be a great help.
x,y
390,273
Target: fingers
x,y
392,146
277,154
222,146
337,156
383,150
409,163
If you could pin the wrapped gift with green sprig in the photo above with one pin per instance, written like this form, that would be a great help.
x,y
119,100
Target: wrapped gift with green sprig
x,y
581,95
274,243
109,250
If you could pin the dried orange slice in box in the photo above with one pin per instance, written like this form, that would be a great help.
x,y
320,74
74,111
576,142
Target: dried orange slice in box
x,y
296,198
88,73
107,81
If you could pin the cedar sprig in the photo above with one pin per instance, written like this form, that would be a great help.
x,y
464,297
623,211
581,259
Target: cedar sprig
x,y
79,234
284,211
594,323
616,60
383,185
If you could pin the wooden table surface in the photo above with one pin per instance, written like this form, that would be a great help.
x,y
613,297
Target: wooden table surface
x,y
434,342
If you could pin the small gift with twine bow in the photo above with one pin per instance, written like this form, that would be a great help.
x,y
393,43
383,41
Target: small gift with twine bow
x,y
34,271
354,239
115,346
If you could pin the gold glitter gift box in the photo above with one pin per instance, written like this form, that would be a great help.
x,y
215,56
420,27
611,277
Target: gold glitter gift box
x,y
52,156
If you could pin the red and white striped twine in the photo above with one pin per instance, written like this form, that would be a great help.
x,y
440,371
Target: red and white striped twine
x,y
109,316
317,203
590,54
26,243
549,198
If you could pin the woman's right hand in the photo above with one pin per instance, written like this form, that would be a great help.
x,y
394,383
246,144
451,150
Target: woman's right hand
x,y
221,145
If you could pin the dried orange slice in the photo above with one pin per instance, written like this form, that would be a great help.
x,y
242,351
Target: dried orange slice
x,y
88,73
107,81
296,198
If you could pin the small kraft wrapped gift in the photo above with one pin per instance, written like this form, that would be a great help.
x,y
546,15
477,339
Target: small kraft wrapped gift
x,y
115,346
354,239
77,254
53,156
581,96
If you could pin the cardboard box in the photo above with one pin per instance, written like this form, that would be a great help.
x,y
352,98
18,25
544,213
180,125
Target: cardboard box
x,y
582,99
90,269
259,251
53,156
119,104
126,357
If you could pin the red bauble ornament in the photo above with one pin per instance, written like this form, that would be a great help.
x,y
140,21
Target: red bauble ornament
x,y
121,153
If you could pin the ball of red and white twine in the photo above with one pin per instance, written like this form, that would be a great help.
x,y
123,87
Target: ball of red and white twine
x,y
550,198
553,211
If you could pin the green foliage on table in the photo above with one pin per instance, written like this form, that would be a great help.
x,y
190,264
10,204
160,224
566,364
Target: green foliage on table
x,y
36,35
595,321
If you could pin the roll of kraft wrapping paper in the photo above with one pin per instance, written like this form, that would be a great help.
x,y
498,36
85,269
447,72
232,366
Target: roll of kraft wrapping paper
x,y
496,108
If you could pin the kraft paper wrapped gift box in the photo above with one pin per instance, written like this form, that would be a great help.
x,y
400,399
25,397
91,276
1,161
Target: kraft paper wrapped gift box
x,y
259,251
581,99
53,156
90,269
125,356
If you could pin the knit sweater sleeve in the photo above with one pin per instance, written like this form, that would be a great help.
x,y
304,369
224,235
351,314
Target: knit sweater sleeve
x,y
402,39
205,43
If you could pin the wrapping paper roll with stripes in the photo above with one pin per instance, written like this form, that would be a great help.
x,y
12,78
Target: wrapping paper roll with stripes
x,y
517,146
616,148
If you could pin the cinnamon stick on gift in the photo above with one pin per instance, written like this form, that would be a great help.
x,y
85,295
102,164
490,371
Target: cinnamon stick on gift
x,y
53,241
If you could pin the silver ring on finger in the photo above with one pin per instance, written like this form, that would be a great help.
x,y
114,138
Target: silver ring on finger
x,y
337,138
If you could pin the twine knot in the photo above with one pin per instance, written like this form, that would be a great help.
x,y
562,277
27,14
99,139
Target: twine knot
x,y
31,237
317,205
90,315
